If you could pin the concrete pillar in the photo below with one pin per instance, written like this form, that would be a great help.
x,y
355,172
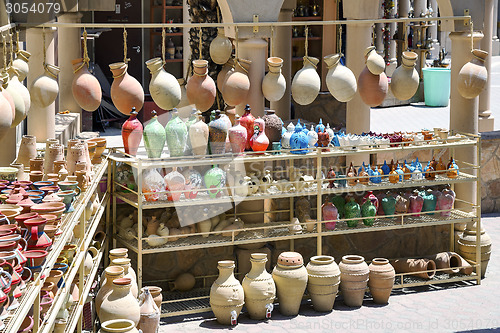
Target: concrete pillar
x,y
403,9
69,48
392,63
433,31
283,49
495,48
419,7
8,142
41,121
358,113
254,49
464,112
486,120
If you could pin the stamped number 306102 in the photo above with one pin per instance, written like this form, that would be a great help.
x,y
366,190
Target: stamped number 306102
x,y
33,7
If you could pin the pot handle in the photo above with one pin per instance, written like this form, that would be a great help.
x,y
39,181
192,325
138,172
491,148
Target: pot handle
x,y
78,191
34,233
23,247
9,276
28,276
93,251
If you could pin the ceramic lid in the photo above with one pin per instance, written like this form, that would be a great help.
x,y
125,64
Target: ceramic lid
x,y
122,281
290,259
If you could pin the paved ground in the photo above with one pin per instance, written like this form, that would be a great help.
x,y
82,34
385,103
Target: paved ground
x,y
442,308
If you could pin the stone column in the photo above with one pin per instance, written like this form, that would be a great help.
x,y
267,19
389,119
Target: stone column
x,y
283,49
8,142
69,48
392,45
419,7
433,31
41,121
254,49
495,48
464,115
486,120
404,8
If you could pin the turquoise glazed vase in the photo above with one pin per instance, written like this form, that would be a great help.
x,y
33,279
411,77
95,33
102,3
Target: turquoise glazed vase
x,y
430,201
217,134
154,137
389,205
299,140
177,134
215,180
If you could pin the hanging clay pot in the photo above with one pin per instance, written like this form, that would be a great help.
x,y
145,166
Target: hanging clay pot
x,y
27,150
150,314
247,121
163,87
473,76
154,137
19,108
177,134
217,134
259,288
220,48
306,82
21,64
274,83
6,114
16,85
215,181
372,88
45,88
381,280
353,279
238,137
200,88
126,91
273,127
236,83
85,86
221,77
374,62
175,184
132,133
290,277
198,136
340,80
120,303
323,282
226,294
405,79
259,141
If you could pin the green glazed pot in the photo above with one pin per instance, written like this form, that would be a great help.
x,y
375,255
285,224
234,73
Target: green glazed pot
x,y
176,131
368,209
352,210
154,137
215,181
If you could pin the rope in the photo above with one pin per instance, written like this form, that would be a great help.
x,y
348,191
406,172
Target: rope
x,y
123,73
17,41
47,71
125,59
163,37
405,37
340,41
86,58
4,46
272,41
241,66
471,35
306,43
306,59
43,45
237,43
11,42
200,44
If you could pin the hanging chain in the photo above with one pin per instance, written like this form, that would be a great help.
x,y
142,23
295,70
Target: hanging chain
x,y
163,37
200,44
306,43
125,59
86,59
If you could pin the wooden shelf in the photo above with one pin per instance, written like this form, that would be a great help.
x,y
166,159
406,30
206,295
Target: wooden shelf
x,y
173,60
309,38
307,18
166,7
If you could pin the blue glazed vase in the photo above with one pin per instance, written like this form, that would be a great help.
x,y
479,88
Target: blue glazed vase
x,y
299,140
320,127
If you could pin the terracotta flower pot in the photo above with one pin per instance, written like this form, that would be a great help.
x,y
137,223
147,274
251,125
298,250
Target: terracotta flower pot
x,y
381,280
306,83
200,87
126,91
353,279
45,88
85,87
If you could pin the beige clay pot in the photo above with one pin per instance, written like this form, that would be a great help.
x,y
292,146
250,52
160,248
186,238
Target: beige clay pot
x,y
198,136
340,80
7,112
353,279
473,76
27,150
274,83
120,303
423,268
306,83
19,110
16,85
220,48
226,294
374,62
45,88
405,79
381,280
467,246
111,273
236,83
259,287
163,87
323,282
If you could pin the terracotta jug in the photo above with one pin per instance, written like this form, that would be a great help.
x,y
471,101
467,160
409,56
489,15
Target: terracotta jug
x,y
340,80
156,293
374,62
154,137
116,326
273,127
150,314
226,294
27,149
323,282
290,277
126,91
220,48
467,246
21,64
163,86
372,88
221,77
353,279
473,76
247,121
15,100
120,303
16,85
177,135
274,83
217,136
236,83
415,265
45,88
85,86
198,136
405,79
132,133
381,280
238,137
200,88
306,82
259,287
127,273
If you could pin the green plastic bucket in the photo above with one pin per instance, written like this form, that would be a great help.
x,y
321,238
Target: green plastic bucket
x,y
437,86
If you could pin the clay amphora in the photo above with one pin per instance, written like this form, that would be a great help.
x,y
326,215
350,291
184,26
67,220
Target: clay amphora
x,y
381,280
340,80
306,82
259,288
473,76
259,141
126,91
132,133
274,83
217,134
467,246
236,83
247,121
238,137
127,273
290,277
353,279
273,127
45,88
323,282
220,48
374,62
150,315
177,135
120,303
372,88
198,136
16,85
163,86
21,64
85,87
226,294
415,265
405,79
154,137
200,88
